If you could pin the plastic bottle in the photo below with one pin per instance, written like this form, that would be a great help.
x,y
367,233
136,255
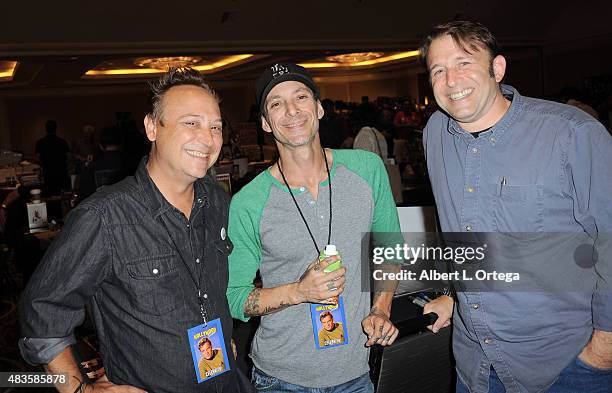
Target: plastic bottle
x,y
330,250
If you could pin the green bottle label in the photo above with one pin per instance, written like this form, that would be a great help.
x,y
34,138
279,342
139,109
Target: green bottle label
x,y
334,266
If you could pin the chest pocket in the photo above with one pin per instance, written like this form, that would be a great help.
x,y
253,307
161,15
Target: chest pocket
x,y
156,285
519,208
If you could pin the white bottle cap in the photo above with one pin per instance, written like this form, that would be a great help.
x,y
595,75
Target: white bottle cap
x,y
330,249
35,195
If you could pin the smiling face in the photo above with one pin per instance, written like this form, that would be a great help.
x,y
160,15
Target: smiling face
x,y
207,350
292,114
328,323
465,85
187,135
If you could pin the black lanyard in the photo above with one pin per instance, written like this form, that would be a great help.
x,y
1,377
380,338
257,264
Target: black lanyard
x,y
198,281
329,231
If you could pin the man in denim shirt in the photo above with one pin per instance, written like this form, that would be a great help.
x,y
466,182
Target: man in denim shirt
x,y
551,162
147,255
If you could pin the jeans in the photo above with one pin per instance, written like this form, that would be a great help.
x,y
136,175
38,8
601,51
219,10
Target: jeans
x,y
578,377
269,384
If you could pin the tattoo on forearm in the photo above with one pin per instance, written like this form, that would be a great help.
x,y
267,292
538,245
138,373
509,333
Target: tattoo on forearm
x,y
253,307
270,309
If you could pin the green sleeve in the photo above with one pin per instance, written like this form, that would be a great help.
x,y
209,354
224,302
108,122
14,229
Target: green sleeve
x,y
244,261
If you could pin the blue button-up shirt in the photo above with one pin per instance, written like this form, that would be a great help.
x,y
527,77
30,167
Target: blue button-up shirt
x,y
553,162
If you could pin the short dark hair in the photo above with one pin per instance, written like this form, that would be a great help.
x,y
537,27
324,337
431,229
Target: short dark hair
x,y
176,77
51,126
468,35
326,314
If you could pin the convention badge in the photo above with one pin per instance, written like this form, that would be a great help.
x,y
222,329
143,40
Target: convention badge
x,y
208,350
329,324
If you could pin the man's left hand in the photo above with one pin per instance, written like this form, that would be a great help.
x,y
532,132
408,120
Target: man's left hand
x,y
598,352
379,328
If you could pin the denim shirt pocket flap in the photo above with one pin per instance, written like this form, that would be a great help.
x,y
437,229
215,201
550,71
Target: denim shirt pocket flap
x,y
151,268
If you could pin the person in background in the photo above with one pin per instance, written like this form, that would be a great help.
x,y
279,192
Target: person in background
x,y
572,96
85,148
53,153
369,138
331,126
108,167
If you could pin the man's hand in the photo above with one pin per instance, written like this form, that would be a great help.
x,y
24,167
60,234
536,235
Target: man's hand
x,y
65,363
316,286
443,306
379,328
598,352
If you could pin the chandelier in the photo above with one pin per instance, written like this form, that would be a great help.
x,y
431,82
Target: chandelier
x,y
164,63
354,57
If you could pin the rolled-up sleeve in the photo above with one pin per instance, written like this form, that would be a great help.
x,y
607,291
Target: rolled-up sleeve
x,y
590,182
53,302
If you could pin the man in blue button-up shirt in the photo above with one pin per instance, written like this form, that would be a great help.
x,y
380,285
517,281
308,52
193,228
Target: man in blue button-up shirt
x,y
552,163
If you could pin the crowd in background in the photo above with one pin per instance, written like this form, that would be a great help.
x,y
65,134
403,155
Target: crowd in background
x,y
106,155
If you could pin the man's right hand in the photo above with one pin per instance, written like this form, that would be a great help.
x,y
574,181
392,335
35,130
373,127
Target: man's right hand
x,y
443,306
65,363
316,286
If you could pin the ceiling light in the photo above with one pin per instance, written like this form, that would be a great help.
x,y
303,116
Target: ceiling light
x,y
158,65
7,70
354,57
164,63
379,60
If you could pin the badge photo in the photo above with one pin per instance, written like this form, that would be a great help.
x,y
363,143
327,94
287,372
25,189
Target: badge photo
x,y
208,350
329,324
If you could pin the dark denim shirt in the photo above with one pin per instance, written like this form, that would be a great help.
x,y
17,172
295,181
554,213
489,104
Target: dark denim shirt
x,y
556,161
130,256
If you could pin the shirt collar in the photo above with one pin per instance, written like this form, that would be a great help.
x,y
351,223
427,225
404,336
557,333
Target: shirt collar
x,y
495,133
156,201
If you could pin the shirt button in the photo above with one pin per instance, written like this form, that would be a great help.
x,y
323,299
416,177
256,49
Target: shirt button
x,y
187,225
475,306
155,271
493,139
322,217
302,189
311,202
199,200
488,341
468,228
470,189
475,150
205,296
197,260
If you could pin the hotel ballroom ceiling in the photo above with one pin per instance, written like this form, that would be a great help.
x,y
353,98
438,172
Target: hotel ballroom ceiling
x,y
56,43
